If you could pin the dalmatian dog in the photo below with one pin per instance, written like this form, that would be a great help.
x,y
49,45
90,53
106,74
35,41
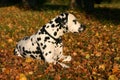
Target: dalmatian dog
x,y
46,44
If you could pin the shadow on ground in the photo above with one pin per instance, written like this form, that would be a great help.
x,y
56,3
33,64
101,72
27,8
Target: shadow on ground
x,y
111,15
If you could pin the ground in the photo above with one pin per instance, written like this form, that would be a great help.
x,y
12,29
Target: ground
x,y
95,52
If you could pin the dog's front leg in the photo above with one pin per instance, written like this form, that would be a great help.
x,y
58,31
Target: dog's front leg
x,y
59,52
51,55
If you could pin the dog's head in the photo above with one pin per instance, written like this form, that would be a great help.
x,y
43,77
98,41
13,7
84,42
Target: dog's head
x,y
74,25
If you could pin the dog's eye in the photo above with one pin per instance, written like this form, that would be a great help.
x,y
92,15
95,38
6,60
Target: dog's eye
x,y
75,21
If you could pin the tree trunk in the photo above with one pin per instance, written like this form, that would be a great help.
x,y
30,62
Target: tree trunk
x,y
33,3
87,5
73,4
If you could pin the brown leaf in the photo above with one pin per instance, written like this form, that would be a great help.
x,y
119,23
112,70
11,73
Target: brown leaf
x,y
102,66
10,40
115,68
57,77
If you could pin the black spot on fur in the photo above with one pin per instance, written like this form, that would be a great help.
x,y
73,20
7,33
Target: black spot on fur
x,y
52,25
31,39
42,57
60,26
58,20
32,56
42,30
32,44
58,41
39,33
39,39
46,54
63,31
75,21
23,48
24,53
44,46
19,47
60,52
33,52
38,52
29,52
49,52
47,27
61,46
38,48
25,38
61,14
66,28
57,29
41,44
55,33
51,22
46,38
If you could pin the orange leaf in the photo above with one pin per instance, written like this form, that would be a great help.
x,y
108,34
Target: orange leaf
x,y
115,68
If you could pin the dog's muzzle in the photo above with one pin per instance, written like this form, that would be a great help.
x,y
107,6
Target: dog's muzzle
x,y
82,28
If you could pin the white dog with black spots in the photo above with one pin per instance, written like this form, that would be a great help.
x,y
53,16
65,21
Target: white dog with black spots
x,y
46,44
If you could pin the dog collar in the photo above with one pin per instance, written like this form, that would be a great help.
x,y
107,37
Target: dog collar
x,y
57,40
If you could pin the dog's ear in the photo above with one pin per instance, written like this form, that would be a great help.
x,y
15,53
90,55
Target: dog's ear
x,y
63,18
58,20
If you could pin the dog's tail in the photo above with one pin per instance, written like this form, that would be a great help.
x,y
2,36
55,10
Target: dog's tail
x,y
16,52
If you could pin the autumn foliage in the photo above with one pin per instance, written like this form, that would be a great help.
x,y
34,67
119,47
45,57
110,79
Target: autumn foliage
x,y
95,52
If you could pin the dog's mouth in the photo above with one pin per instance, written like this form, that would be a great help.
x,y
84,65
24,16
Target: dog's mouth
x,y
75,32
81,28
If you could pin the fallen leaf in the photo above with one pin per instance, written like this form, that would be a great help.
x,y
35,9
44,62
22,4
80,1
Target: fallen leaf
x,y
28,60
57,77
22,77
115,68
31,72
98,54
87,56
10,40
74,54
112,77
102,66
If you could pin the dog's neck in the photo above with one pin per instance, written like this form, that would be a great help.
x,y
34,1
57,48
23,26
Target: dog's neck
x,y
56,27
55,32
57,39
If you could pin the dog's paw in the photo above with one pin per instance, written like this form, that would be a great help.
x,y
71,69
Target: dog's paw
x,y
63,65
67,58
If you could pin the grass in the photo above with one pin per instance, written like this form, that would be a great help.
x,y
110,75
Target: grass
x,y
95,51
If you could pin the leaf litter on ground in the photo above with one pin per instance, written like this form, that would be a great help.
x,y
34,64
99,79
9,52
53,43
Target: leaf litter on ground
x,y
95,52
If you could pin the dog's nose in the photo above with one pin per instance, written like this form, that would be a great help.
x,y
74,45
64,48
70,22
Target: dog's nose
x,y
82,28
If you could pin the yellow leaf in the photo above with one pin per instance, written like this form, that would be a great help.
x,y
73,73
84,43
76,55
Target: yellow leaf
x,y
112,77
102,66
28,60
22,77
87,56
10,40
97,34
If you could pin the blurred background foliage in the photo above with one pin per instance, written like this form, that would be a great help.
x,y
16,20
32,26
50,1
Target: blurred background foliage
x,y
86,5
